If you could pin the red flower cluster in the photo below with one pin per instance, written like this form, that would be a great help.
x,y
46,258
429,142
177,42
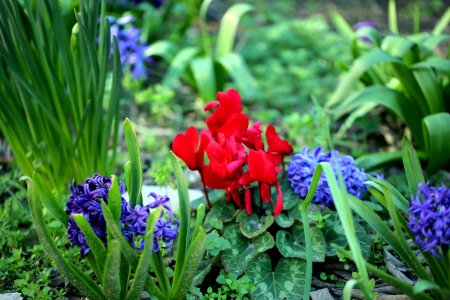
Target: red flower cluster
x,y
236,153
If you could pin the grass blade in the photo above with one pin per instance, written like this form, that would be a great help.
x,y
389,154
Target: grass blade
x,y
135,163
111,275
411,163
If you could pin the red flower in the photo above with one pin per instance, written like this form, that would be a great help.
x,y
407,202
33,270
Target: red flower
x,y
278,148
226,158
227,117
262,168
252,138
190,147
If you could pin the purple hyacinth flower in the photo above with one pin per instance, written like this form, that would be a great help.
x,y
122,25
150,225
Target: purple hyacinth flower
x,y
131,49
301,170
429,218
166,228
86,199
364,24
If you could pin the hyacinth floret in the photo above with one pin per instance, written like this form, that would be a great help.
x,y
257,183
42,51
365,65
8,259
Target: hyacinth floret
x,y
429,218
131,49
135,220
86,199
303,165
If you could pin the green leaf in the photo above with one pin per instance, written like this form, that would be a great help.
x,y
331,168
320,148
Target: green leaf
x,y
442,23
411,163
365,241
437,134
342,25
203,70
286,282
135,163
94,242
228,27
165,49
70,271
184,217
253,226
423,285
114,198
240,73
141,274
334,234
284,221
220,212
179,65
292,244
236,259
373,161
194,257
290,199
111,274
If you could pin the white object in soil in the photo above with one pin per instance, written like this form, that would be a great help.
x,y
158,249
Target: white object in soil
x,y
172,193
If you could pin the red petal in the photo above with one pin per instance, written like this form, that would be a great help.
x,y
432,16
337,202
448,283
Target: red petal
x,y
264,190
235,125
248,201
276,144
182,147
218,159
212,180
279,204
210,105
261,167
192,135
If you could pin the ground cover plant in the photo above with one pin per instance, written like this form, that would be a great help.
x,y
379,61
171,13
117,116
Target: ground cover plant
x,y
243,170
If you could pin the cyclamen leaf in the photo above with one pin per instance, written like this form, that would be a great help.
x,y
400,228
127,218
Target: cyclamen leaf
x,y
284,221
243,250
287,282
253,226
293,244
220,212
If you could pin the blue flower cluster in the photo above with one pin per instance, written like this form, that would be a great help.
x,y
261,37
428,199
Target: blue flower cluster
x,y
429,218
135,220
132,51
301,170
86,199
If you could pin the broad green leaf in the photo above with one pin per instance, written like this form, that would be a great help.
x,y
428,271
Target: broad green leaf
x,y
220,212
392,17
397,46
435,62
194,257
141,275
290,199
358,68
236,259
253,226
411,163
49,200
111,274
285,221
179,65
342,25
240,73
389,98
334,234
184,217
373,161
71,272
429,84
114,198
95,244
286,282
203,71
442,23
365,241
437,134
135,163
165,49
292,244
228,27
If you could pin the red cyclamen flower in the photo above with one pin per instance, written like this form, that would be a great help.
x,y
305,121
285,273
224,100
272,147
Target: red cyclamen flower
x,y
190,147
